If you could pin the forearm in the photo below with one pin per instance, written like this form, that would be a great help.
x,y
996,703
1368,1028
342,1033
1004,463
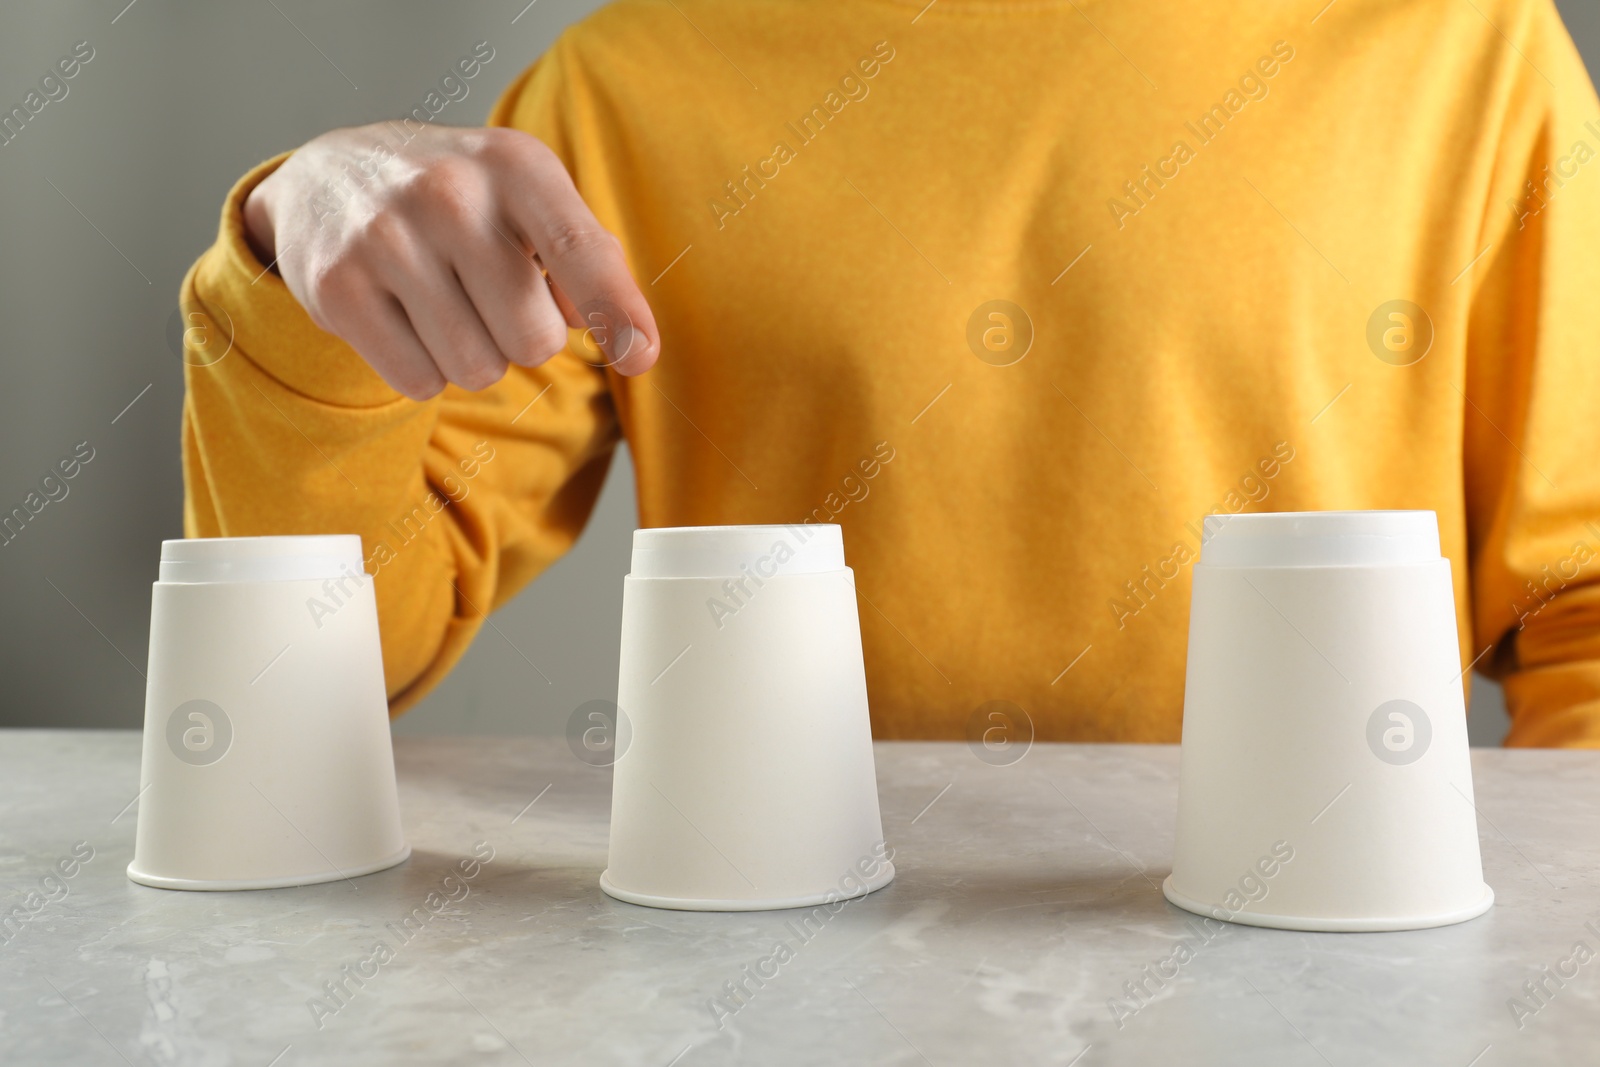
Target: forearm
x,y
459,500
289,432
1552,685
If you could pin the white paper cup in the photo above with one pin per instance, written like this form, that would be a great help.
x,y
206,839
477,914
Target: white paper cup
x,y
267,756
1325,779
745,778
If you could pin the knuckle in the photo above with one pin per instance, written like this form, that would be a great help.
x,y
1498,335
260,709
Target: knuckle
x,y
423,387
330,286
419,383
455,209
382,232
480,379
440,181
499,146
569,236
541,342
527,152
480,370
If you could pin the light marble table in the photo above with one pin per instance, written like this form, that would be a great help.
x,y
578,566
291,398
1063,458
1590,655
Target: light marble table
x,y
1026,896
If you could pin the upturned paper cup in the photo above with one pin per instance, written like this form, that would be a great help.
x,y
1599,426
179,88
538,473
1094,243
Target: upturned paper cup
x,y
267,756
1325,780
745,778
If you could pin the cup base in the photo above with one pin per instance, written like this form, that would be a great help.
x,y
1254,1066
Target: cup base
x,y
883,878
1322,924
157,881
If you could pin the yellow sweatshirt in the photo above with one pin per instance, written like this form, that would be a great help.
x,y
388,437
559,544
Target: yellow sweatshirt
x,y
1016,292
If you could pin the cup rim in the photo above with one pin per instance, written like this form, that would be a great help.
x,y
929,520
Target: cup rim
x,y
801,900
764,550
272,558
288,881
1336,924
1392,537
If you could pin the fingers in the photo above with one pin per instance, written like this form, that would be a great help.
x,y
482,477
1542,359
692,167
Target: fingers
x,y
396,352
511,298
447,323
353,305
585,262
430,274
569,313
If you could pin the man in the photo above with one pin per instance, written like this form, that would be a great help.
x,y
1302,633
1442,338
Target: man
x,y
1015,292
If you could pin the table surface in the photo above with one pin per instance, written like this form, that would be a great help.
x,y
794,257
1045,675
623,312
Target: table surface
x,y
1026,897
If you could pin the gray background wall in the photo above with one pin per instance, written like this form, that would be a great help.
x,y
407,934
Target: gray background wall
x,y
107,197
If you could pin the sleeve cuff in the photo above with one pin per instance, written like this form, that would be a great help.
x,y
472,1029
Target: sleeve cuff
x,y
1555,707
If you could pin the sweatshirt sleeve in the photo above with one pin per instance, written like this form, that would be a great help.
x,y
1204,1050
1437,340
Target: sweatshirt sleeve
x,y
1532,396
460,501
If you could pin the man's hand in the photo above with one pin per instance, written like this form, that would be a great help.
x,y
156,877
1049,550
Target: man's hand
x,y
430,267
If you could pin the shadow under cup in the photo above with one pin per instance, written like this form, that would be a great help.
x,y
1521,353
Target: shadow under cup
x,y
745,777
267,759
1325,780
